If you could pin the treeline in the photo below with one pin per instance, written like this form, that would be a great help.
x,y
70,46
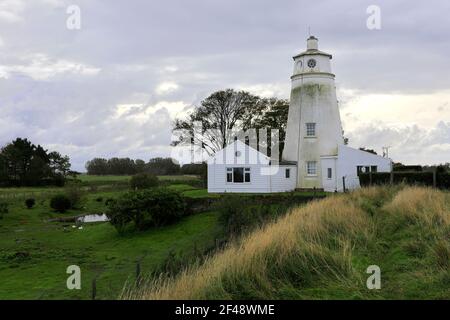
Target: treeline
x,y
25,164
155,166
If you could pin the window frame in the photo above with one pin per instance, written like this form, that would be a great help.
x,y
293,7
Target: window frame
x,y
329,173
230,172
312,173
311,129
287,173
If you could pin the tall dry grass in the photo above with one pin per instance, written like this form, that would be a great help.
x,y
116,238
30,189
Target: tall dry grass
x,y
310,245
318,238
423,205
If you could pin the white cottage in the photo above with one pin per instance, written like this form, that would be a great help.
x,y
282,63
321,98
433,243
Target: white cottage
x,y
241,168
314,156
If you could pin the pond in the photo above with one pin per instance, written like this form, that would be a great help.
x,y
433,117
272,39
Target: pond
x,y
90,218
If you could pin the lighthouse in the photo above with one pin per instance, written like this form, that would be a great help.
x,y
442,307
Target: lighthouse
x,y
314,154
314,128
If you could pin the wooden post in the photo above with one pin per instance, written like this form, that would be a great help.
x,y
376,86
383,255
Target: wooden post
x,y
370,177
138,273
94,288
434,178
391,179
343,184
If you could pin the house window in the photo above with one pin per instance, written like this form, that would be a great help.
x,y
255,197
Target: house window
x,y
366,169
238,175
311,168
310,129
247,174
288,173
330,173
229,174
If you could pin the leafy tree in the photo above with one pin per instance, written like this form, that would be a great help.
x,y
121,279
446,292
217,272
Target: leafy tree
x,y
145,209
97,166
59,164
139,165
25,164
143,181
163,167
225,112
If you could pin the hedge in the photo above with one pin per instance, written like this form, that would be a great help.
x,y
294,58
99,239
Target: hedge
x,y
412,178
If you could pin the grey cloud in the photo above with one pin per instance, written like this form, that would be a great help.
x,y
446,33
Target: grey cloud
x,y
201,46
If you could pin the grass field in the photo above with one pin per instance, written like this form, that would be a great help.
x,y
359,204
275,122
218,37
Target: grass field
x,y
35,253
323,250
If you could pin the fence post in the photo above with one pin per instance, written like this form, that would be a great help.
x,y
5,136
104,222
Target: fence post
x,y
391,178
138,273
94,288
343,184
434,178
370,177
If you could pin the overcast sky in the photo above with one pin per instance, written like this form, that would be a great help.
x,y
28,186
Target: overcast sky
x,y
114,87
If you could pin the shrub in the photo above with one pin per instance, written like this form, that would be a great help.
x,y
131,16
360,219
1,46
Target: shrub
x,y
30,203
3,209
60,203
143,181
145,209
412,178
74,193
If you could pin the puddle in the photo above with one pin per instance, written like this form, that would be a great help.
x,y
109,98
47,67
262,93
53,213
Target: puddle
x,y
90,218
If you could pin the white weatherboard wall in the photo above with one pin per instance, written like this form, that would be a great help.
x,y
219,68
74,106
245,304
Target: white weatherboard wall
x,y
345,165
264,178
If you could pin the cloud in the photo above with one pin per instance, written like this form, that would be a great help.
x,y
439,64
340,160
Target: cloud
x,y
114,87
41,67
166,87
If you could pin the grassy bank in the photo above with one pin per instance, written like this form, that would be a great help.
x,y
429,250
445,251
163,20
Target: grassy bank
x,y
322,251
35,253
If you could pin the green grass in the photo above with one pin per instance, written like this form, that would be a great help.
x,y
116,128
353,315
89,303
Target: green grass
x,y
35,253
322,251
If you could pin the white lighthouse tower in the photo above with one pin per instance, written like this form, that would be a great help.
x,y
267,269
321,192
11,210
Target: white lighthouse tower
x,y
314,127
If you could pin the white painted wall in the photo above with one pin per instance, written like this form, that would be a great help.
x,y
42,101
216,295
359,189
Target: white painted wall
x,y
346,164
264,177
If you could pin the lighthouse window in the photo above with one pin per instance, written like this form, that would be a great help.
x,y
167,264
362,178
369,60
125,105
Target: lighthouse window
x,y
311,168
310,129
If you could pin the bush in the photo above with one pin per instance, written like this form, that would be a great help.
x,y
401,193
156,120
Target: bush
x,y
145,209
3,209
74,193
30,203
143,181
60,203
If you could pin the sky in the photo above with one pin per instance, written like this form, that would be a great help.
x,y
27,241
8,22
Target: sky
x,y
114,86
